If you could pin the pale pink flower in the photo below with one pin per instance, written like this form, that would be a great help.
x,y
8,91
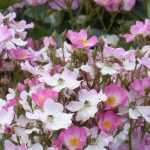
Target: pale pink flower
x,y
140,86
128,4
35,2
43,94
139,28
80,39
5,33
49,41
61,4
8,145
19,54
145,61
116,96
109,121
109,5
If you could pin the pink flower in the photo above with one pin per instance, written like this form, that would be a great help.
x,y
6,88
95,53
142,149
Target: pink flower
x,y
74,138
19,54
20,87
43,94
61,4
140,86
139,28
116,96
145,61
80,39
109,5
49,41
128,4
109,121
5,33
36,2
11,103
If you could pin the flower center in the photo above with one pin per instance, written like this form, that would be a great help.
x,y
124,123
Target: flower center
x,y
74,141
60,81
41,100
111,101
50,118
84,42
107,124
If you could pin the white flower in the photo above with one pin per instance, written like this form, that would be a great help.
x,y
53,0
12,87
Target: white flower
x,y
36,146
86,107
11,94
52,116
51,148
107,69
23,136
140,111
88,68
121,137
67,79
101,142
64,53
23,101
129,65
6,117
111,39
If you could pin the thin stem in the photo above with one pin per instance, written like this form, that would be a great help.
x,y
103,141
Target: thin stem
x,y
130,135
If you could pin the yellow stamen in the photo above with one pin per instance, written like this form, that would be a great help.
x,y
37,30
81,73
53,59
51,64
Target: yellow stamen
x,y
74,141
84,42
111,101
107,124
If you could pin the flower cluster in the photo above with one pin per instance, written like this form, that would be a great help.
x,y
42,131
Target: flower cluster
x,y
83,92
87,95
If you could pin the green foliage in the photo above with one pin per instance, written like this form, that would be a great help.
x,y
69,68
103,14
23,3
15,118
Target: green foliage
x,y
89,15
148,8
6,3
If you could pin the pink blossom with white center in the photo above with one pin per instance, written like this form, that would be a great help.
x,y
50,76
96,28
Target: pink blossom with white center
x,y
43,94
109,121
80,39
75,138
86,107
5,33
116,96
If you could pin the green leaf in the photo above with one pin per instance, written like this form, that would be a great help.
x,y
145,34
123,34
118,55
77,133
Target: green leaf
x,y
148,8
6,3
